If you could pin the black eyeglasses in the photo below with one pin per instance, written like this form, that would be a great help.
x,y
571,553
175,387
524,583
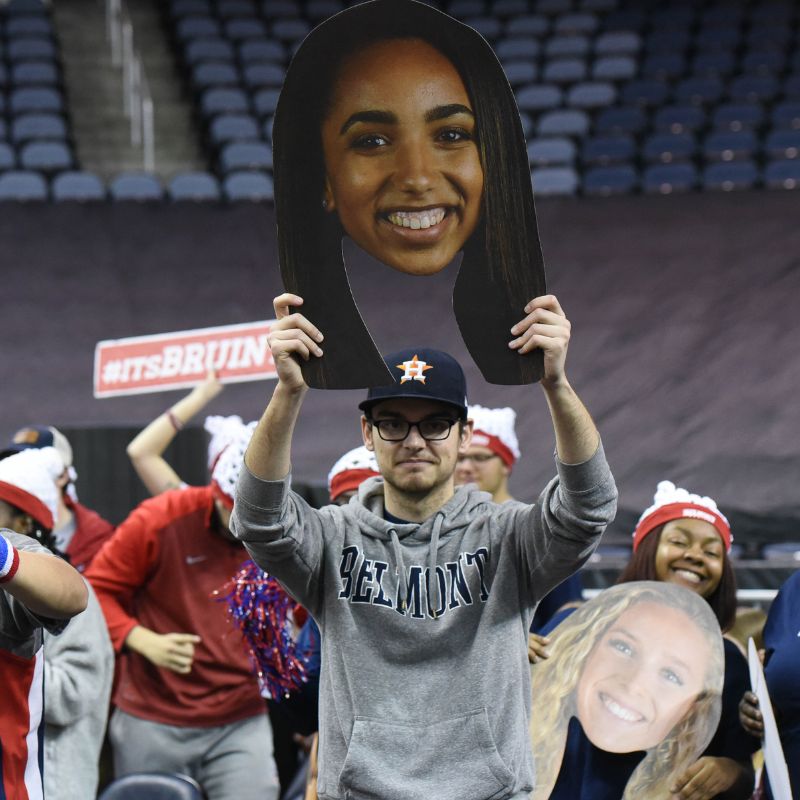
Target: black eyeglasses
x,y
478,458
431,430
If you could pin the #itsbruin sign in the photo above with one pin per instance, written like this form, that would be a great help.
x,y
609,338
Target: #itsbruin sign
x,y
178,360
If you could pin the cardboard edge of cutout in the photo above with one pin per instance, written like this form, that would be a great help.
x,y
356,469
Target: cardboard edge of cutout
x,y
774,759
489,294
578,634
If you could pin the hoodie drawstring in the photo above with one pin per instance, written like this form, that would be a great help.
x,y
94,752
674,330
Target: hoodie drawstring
x,y
432,556
401,568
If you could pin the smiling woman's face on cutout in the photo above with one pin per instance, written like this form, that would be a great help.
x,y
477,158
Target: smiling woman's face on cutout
x,y
641,678
402,165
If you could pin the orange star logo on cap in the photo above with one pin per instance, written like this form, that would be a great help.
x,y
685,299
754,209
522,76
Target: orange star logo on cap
x,y
413,370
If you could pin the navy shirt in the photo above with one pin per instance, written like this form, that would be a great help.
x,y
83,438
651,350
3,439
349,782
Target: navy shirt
x,y
782,644
589,773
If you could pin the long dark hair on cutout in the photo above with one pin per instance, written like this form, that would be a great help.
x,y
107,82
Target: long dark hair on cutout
x,y
642,567
502,265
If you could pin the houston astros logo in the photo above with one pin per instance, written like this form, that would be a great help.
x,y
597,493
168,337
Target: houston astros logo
x,y
413,370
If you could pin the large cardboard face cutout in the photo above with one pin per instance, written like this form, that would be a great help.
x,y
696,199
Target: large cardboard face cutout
x,y
641,668
397,127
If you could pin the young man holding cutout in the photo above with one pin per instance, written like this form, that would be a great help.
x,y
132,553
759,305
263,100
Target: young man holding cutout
x,y
423,593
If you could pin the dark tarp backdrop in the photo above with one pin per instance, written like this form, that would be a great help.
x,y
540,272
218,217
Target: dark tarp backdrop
x,y
685,338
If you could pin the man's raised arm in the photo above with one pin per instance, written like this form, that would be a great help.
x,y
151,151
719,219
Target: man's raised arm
x,y
269,454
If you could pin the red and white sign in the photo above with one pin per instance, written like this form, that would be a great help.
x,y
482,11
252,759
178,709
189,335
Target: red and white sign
x,y
179,360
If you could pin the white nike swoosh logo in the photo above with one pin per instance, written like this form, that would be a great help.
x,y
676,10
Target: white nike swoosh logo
x,y
195,559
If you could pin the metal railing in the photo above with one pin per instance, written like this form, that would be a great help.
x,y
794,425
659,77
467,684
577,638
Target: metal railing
x,y
136,97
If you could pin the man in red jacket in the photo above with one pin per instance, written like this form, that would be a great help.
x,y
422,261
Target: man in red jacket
x,y
79,532
187,700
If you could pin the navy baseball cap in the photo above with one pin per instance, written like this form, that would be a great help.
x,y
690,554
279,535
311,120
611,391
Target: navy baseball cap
x,y
423,373
36,437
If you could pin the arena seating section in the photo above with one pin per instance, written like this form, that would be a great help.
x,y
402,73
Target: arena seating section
x,y
616,96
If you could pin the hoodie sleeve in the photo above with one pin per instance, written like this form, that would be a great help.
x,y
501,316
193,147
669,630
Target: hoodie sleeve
x,y
283,534
555,537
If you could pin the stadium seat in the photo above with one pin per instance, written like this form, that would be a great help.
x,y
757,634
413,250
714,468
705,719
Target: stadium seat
x,y
191,28
527,25
625,20
223,101
784,551
673,18
580,23
258,76
590,96
553,7
47,157
565,70
713,65
554,152
730,146
520,72
317,10
33,25
791,86
239,156
763,62
679,119
280,9
782,145
239,30
768,38
265,102
606,181
3,130
597,5
36,100
152,786
466,8
190,8
738,116
200,50
733,176
250,186
566,47
667,148
664,66
209,74
722,15
77,186
8,159
232,127
133,186
539,97
14,7
669,178
620,119
236,9
289,30
31,50
717,39
523,47
754,89
257,50
563,123
699,91
614,68
645,93
489,27
35,73
786,115
509,8
22,186
667,41
27,127
603,151
194,187
549,181
618,43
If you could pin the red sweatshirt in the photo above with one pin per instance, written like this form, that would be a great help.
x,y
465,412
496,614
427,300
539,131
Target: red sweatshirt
x,y
91,532
162,564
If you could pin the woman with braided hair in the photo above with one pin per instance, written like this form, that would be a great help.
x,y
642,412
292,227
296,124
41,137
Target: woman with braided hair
x,y
639,668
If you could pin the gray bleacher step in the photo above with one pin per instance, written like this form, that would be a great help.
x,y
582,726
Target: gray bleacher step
x,y
94,89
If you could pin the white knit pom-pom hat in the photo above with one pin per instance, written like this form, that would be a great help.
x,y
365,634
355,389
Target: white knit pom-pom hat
x,y
28,482
229,464
351,470
223,431
671,502
494,428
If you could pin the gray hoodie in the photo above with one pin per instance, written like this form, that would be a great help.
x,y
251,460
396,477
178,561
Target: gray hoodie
x,y
425,683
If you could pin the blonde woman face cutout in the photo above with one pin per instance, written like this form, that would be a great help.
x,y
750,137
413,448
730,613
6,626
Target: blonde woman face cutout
x,y
641,678
403,170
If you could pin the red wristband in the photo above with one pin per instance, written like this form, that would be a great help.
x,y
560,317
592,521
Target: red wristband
x,y
176,423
